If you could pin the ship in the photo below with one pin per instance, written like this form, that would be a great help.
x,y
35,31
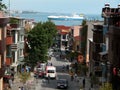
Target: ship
x,y
73,17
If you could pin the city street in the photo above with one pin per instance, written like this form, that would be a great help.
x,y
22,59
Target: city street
x,y
42,84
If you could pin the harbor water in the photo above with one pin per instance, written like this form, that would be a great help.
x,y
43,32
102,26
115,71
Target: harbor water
x,y
42,17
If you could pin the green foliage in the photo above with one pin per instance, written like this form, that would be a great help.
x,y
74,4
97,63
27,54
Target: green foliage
x,y
13,21
24,76
2,6
82,68
106,86
40,39
84,22
72,54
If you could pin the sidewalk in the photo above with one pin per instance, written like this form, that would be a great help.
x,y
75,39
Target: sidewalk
x,y
16,84
87,84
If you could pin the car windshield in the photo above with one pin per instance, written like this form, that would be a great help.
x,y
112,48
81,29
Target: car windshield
x,y
50,71
61,81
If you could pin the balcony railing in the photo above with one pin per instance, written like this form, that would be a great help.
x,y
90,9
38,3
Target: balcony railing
x,y
14,25
14,47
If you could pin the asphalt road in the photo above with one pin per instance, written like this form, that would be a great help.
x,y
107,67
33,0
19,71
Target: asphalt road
x,y
42,84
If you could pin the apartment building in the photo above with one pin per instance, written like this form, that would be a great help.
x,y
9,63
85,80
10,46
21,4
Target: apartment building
x,y
112,22
3,22
17,47
63,37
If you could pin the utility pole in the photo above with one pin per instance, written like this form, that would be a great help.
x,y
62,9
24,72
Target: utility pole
x,y
9,7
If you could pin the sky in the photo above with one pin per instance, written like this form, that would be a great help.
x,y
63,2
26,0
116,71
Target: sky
x,y
61,6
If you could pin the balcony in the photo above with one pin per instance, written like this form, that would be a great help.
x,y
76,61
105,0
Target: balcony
x,y
9,40
3,21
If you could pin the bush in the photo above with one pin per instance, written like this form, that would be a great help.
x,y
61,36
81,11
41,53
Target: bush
x,y
24,76
106,86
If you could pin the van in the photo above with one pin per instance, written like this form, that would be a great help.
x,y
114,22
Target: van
x,y
50,71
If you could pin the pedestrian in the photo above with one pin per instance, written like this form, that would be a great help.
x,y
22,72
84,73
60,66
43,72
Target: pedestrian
x,y
67,67
51,64
84,83
72,77
75,77
19,88
91,85
48,78
22,88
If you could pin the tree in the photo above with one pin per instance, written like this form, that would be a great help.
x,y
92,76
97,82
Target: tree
x,y
2,6
40,39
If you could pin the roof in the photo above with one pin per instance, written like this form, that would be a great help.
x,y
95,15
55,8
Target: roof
x,y
63,29
60,27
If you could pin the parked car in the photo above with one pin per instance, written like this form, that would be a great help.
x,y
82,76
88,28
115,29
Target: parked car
x,y
50,71
40,73
62,83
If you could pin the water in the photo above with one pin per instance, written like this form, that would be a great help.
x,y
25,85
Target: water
x,y
42,17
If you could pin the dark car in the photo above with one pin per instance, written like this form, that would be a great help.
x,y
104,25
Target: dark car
x,y
62,83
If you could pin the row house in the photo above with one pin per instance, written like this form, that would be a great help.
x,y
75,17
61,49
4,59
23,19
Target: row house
x,y
104,47
17,47
112,25
63,38
14,48
95,47
3,22
72,38
90,43
75,32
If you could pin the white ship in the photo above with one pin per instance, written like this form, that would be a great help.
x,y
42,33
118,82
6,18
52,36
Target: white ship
x,y
74,17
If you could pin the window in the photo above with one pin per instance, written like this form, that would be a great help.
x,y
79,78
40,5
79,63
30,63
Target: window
x,y
64,36
8,52
21,38
50,71
13,54
21,52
